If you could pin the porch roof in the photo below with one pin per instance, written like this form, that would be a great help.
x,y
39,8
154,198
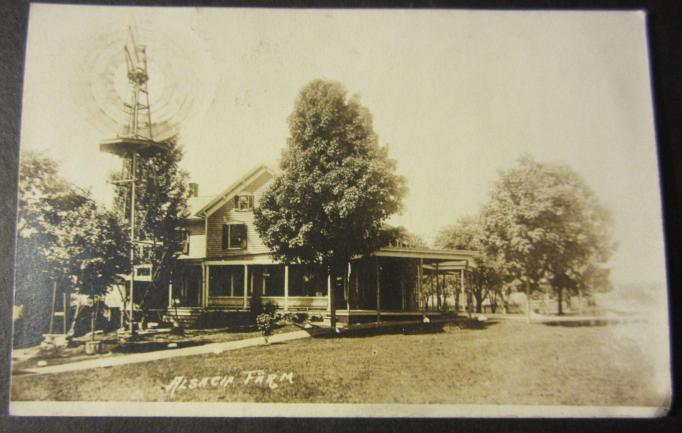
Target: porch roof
x,y
460,256
455,265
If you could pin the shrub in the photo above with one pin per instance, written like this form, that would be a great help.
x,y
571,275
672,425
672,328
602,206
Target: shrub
x,y
270,308
265,323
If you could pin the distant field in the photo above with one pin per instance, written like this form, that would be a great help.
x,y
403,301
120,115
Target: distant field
x,y
506,362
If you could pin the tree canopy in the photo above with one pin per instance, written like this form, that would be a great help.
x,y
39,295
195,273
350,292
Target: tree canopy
x,y
401,237
548,227
488,270
63,237
160,208
337,184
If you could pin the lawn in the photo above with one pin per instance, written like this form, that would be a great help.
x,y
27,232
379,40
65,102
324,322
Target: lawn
x,y
506,362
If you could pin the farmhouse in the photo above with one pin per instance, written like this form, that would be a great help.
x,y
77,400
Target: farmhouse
x,y
225,265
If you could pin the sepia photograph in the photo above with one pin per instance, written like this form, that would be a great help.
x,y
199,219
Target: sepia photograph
x,y
245,212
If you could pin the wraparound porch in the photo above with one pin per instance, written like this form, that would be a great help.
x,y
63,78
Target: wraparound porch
x,y
392,282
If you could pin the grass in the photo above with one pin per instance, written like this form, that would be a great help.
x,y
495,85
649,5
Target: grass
x,y
506,362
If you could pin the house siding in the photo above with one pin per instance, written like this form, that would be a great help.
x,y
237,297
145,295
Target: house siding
x,y
197,240
227,214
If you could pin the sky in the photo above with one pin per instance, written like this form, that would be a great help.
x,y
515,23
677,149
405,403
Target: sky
x,y
457,96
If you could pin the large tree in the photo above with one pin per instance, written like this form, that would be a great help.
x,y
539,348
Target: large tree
x,y
160,207
399,236
64,239
487,270
548,226
336,187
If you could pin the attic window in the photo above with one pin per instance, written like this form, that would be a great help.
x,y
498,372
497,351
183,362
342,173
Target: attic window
x,y
243,202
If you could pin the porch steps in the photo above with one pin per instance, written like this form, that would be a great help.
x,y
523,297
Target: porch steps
x,y
203,318
187,317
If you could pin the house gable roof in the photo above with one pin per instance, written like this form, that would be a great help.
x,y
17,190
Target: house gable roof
x,y
195,204
217,201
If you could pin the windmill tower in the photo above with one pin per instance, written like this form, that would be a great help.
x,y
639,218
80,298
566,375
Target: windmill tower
x,y
135,142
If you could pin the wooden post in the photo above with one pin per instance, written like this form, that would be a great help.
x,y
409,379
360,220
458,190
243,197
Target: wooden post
x,y
64,309
346,283
332,302
464,289
329,292
205,286
432,290
132,245
54,304
420,274
286,287
437,288
378,290
246,287
170,295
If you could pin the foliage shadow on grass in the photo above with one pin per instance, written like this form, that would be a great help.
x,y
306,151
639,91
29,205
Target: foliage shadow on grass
x,y
375,331
575,323
473,324
151,346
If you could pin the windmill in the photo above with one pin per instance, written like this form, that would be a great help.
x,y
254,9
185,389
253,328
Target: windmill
x,y
136,142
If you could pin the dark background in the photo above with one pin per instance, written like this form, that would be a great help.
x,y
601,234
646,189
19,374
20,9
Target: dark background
x,y
665,37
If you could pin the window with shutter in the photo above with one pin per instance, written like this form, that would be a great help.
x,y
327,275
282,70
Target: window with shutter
x,y
234,236
226,236
238,236
243,202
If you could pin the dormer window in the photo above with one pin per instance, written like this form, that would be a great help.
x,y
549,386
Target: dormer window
x,y
243,202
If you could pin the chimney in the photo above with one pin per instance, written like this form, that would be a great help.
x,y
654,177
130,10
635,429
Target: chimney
x,y
193,189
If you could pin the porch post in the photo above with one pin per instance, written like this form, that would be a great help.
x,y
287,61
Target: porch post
x,y
420,274
437,288
464,291
432,290
204,287
286,287
378,290
170,295
246,286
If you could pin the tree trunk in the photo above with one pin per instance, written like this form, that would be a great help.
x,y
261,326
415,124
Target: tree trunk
x,y
93,313
457,293
528,302
479,301
560,310
469,302
76,315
